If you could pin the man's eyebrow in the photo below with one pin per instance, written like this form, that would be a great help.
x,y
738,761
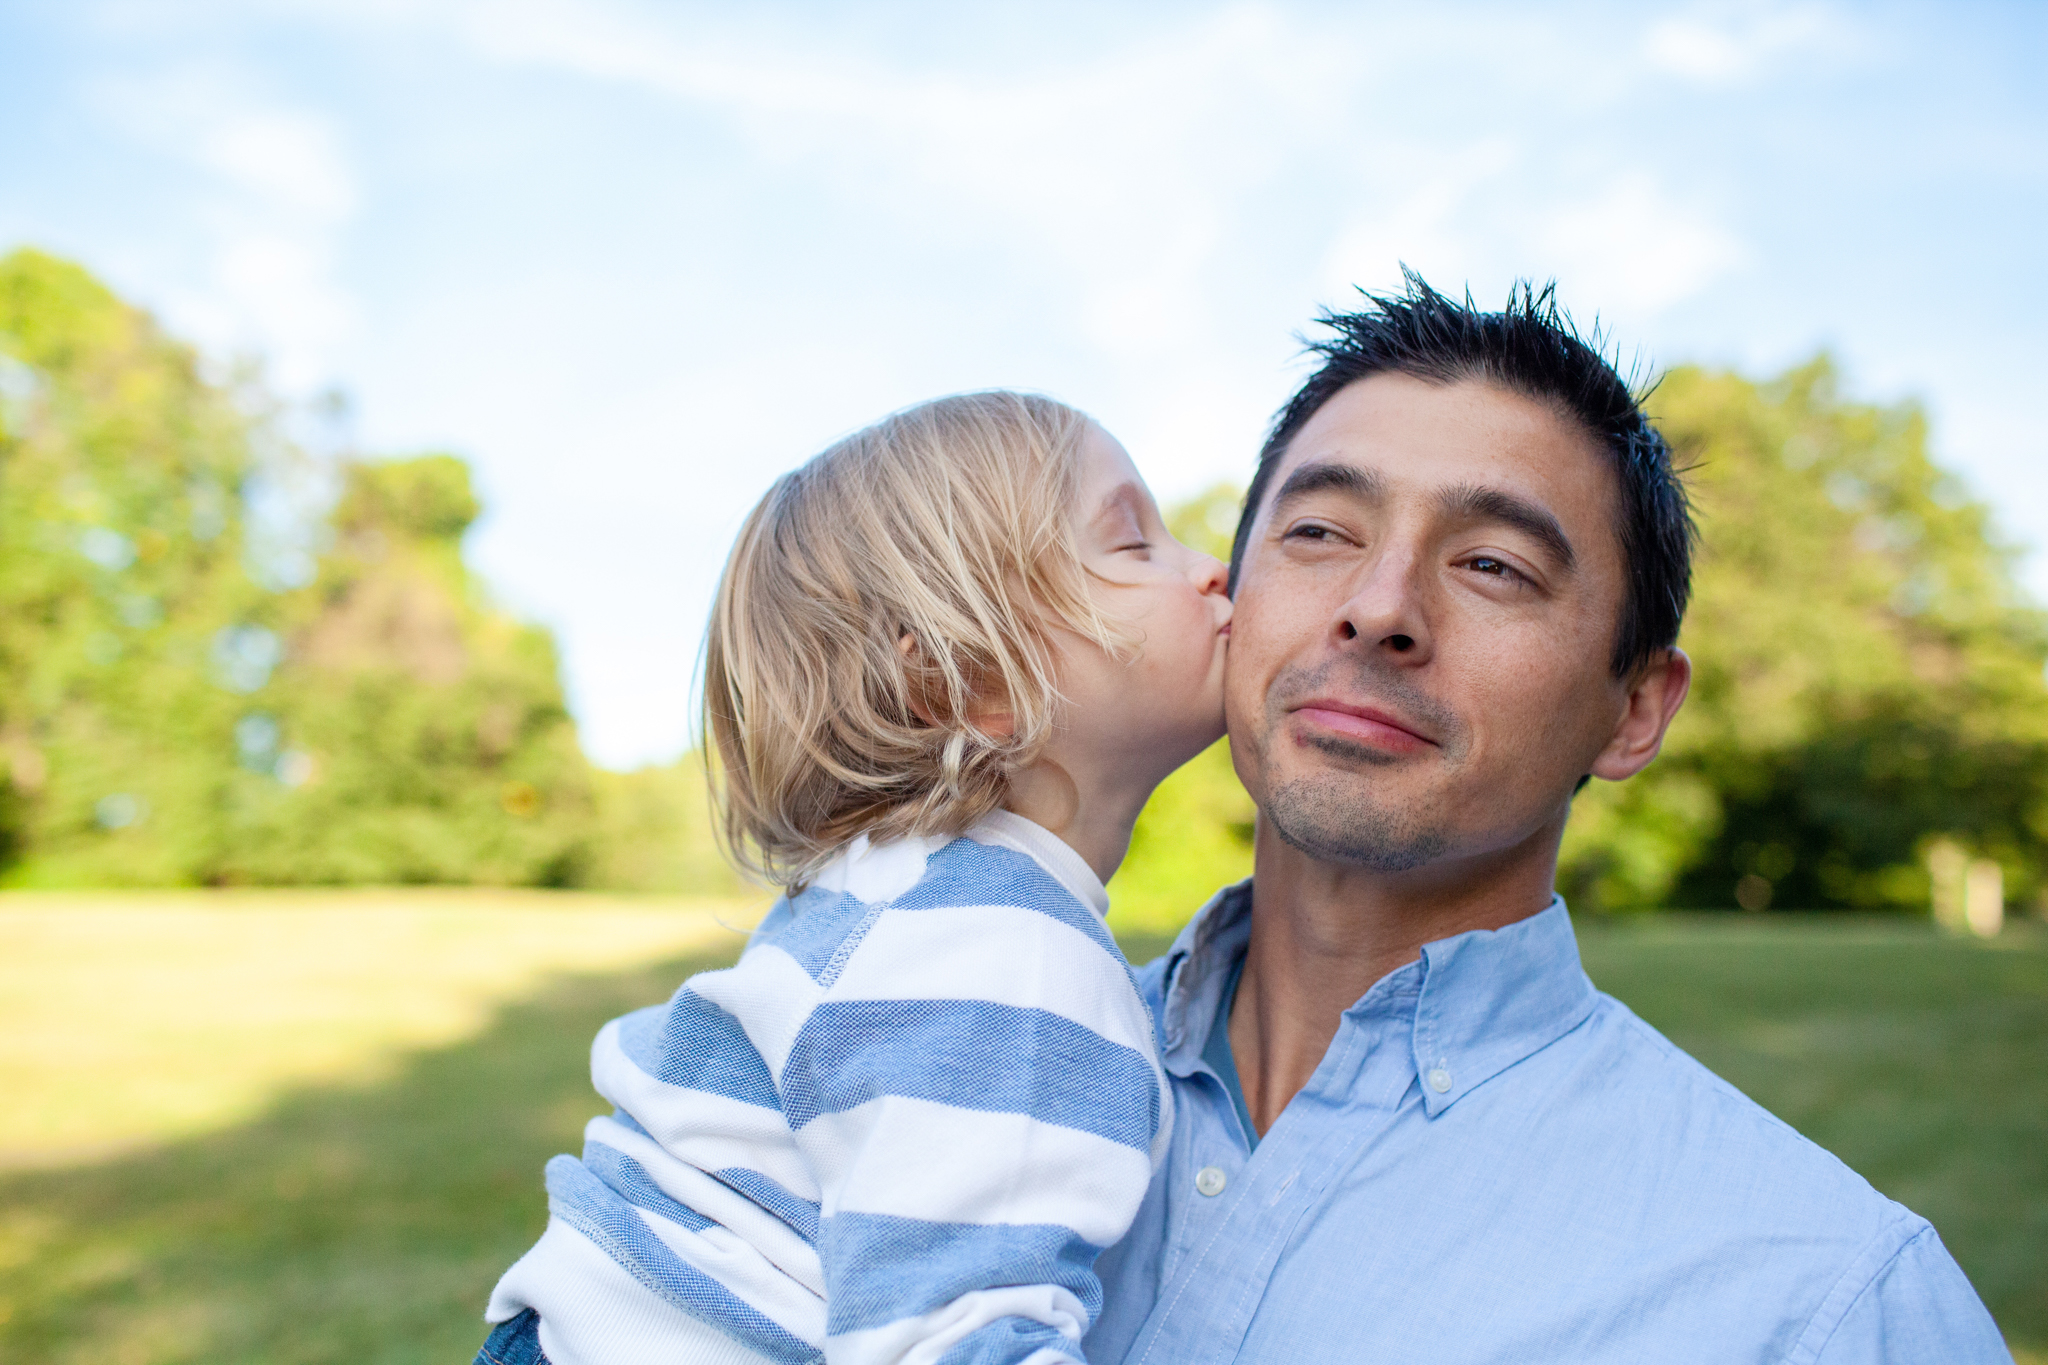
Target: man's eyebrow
x,y
1330,478
1472,502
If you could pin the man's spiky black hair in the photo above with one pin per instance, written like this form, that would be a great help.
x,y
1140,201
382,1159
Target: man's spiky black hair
x,y
1530,348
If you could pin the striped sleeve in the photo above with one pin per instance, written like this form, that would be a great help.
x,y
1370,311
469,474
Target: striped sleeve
x,y
978,1096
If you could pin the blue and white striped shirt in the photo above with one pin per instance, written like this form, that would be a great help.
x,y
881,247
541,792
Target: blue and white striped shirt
x,y
904,1124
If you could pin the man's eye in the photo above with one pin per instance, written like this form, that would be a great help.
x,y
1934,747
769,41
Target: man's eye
x,y
1498,568
1310,532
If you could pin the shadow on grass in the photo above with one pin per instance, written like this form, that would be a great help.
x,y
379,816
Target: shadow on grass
x,y
360,1224
367,1224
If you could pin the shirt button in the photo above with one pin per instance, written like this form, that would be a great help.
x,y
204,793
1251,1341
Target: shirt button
x,y
1439,1079
1210,1180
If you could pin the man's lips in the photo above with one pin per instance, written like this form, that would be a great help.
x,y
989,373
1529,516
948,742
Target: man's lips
x,y
1365,724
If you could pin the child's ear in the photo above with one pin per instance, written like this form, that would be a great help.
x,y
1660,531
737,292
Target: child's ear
x,y
991,721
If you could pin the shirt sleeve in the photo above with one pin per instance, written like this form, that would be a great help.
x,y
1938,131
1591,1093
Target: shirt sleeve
x,y
980,1098
1919,1309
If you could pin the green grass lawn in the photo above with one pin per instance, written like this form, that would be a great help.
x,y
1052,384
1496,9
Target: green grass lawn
x,y
361,1216
127,1020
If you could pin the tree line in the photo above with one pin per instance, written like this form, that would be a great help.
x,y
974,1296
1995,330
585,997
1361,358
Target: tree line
x,y
193,692
206,682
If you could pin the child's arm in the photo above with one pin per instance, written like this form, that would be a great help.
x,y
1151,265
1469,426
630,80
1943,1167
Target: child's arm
x,y
978,1092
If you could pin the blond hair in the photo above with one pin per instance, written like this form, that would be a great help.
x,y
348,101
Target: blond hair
x,y
878,598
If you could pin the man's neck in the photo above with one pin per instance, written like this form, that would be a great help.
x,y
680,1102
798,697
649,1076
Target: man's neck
x,y
1323,933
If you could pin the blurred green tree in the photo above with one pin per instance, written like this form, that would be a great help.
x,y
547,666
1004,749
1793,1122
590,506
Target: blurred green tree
x,y
654,832
174,710
179,704
122,589
411,733
1868,671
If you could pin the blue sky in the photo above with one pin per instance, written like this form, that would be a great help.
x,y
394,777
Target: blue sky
x,y
635,260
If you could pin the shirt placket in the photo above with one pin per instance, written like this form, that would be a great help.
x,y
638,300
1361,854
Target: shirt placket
x,y
1229,1242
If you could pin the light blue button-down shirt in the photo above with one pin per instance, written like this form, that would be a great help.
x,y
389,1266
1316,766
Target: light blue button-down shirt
x,y
1495,1162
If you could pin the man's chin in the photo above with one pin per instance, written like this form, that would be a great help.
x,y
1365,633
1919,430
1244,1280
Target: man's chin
x,y
1332,823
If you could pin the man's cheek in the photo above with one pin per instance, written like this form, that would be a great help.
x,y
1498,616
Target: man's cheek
x,y
1510,723
1541,720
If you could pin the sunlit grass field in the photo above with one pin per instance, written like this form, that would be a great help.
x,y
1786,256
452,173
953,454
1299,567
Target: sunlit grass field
x,y
310,1128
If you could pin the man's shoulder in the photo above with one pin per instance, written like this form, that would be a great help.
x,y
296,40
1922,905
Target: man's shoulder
x,y
1688,1128
1624,1140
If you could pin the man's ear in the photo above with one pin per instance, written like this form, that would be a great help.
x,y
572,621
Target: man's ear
x,y
1653,699
995,723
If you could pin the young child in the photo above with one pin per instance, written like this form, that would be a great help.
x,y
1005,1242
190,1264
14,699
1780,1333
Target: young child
x,y
949,660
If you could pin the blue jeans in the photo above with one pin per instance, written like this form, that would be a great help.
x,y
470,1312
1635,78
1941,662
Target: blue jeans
x,y
515,1341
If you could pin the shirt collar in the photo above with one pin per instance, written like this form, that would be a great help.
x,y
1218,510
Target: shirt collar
x,y
1197,965
1493,997
1487,999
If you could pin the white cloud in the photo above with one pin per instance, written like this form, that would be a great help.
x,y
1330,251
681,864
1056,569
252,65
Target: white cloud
x,y
1624,244
1119,176
1727,44
1634,249
1131,206
1429,223
1136,179
274,195
288,160
281,284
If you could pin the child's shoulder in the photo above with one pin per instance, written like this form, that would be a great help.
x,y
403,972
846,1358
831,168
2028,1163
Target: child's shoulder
x,y
980,870
1007,860
986,892
861,880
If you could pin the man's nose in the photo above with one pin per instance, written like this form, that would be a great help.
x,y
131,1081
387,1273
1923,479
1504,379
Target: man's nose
x,y
1388,612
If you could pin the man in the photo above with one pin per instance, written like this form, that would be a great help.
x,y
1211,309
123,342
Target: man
x,y
1408,1128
